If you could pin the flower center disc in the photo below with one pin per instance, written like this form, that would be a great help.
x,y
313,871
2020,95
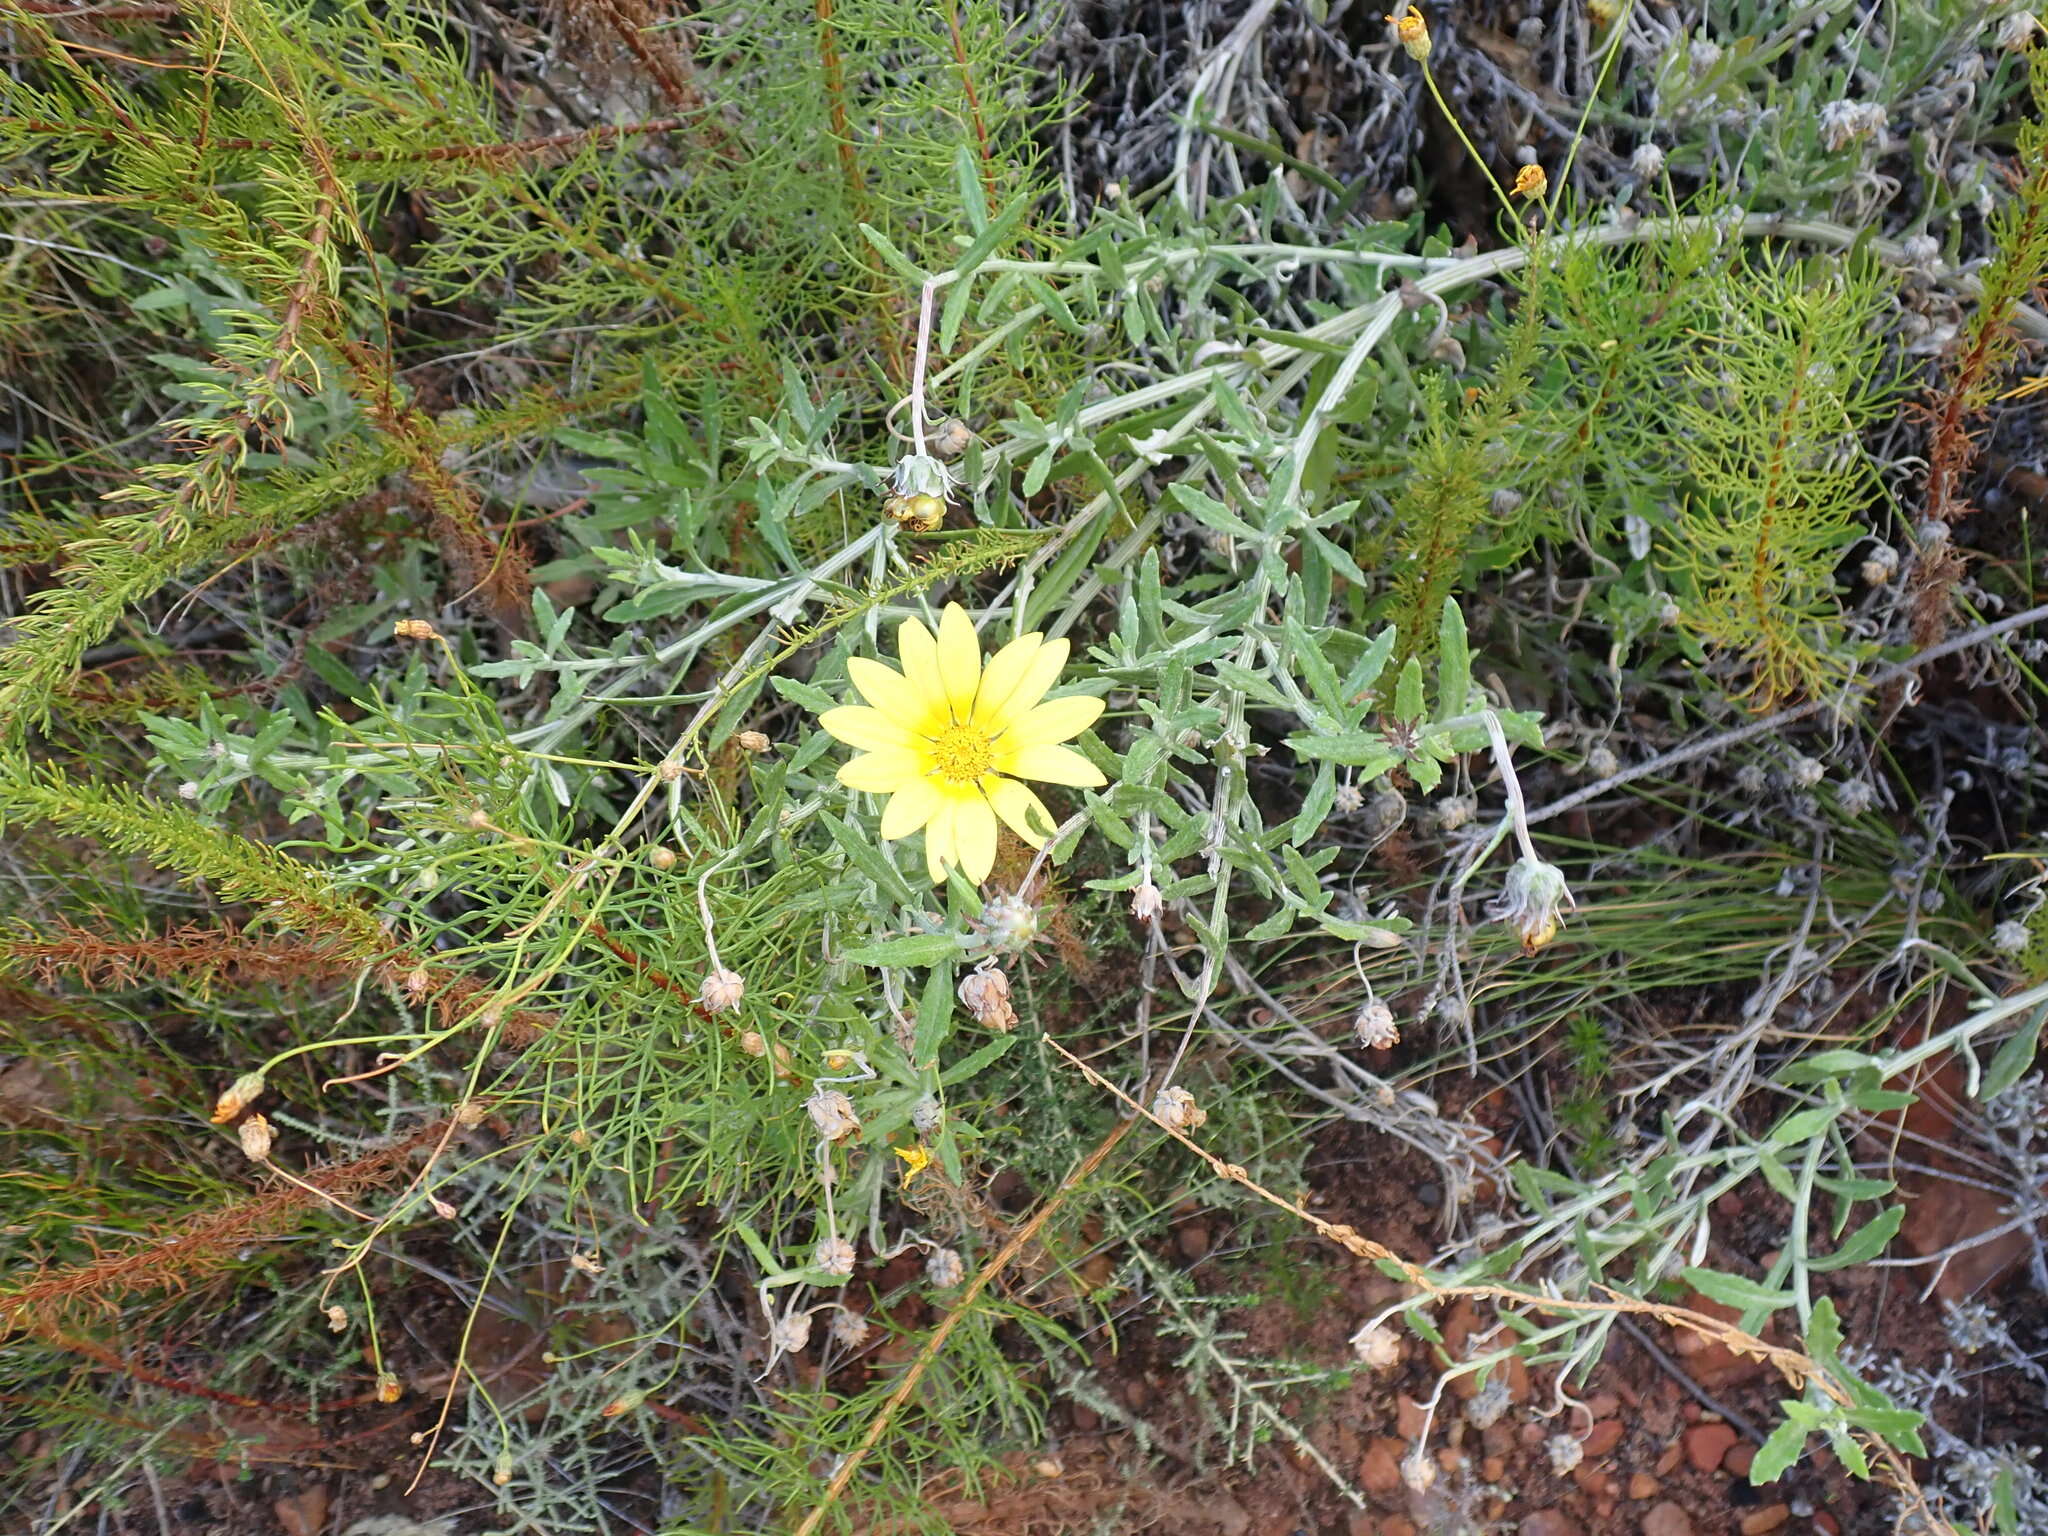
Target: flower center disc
x,y
961,754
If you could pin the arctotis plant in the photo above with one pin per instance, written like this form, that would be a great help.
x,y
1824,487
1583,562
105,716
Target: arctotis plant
x,y
700,737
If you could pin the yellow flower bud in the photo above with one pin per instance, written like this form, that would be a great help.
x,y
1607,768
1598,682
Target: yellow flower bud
x,y
1531,182
1413,32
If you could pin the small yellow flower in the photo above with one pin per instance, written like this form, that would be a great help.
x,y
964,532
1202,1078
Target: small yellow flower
x,y
1531,182
1413,32
916,1158
948,738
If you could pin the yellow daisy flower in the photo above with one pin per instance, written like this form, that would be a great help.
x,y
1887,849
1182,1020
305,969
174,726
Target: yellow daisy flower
x,y
948,738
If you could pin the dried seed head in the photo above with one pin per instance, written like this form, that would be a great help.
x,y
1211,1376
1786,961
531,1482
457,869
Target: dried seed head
x,y
1377,1346
1879,566
791,1333
1855,797
1844,122
1601,763
754,741
670,770
413,629
1146,904
832,1113
241,1093
2010,937
479,820
1453,811
1807,772
1049,1467
943,1268
1751,779
849,1328
2016,32
950,438
1703,55
927,1115
1489,1403
189,790
1375,1027
1176,1109
661,857
835,1256
1349,800
1565,1452
721,990
1418,1471
585,1264
337,1319
416,982
442,1208
985,993
752,1043
1647,162
1532,901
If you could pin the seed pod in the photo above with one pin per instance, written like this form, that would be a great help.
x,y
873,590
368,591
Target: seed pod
x,y
832,1113
943,1268
721,990
1176,1109
753,741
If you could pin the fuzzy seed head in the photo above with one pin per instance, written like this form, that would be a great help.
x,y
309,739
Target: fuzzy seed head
x,y
670,770
985,993
337,1319
1349,800
1454,811
1377,1346
1532,902
1879,566
835,1256
2016,32
849,1328
1647,162
479,820
1807,772
943,1268
1856,796
1703,55
2010,937
721,990
1844,122
1601,763
1565,1452
189,790
1375,1027
1489,1403
1146,904
1009,923
832,1113
1176,1109
1751,780
927,1115
950,438
752,1043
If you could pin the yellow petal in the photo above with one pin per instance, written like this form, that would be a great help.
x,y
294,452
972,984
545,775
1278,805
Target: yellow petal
x,y
938,841
882,772
959,661
1054,720
868,729
995,709
1021,810
909,808
920,655
974,838
1050,765
890,692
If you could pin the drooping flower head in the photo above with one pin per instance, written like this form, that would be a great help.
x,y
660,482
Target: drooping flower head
x,y
948,738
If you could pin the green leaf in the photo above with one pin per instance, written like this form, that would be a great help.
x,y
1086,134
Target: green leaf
x,y
1803,1125
2013,1058
1364,750
1734,1291
1408,693
1865,1244
1776,1456
910,949
902,263
1824,1332
1454,663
